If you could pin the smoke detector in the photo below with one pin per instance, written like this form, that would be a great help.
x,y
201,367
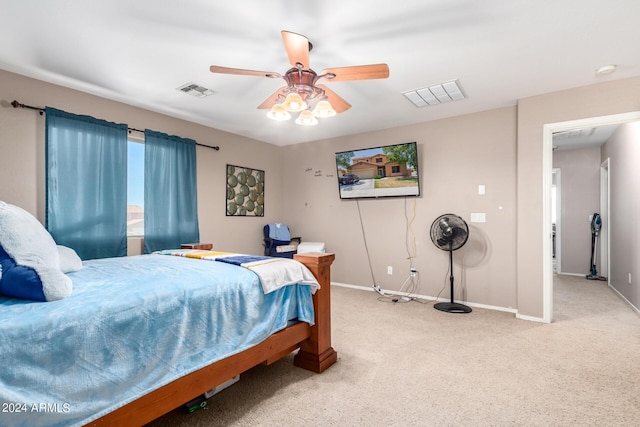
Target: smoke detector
x,y
605,69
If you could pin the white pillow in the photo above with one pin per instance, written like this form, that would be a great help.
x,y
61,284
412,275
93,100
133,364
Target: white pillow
x,y
69,260
29,260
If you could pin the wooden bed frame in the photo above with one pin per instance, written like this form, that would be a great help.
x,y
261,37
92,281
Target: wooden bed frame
x,y
315,354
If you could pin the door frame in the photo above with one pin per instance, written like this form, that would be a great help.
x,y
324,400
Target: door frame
x,y
558,174
548,130
605,214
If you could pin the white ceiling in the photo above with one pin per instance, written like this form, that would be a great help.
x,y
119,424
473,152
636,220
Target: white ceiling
x,y
139,52
583,137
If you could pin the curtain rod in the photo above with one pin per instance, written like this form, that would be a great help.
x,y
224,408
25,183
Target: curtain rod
x,y
16,104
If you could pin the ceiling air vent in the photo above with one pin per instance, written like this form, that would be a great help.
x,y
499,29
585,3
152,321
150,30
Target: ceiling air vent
x,y
195,90
435,94
573,133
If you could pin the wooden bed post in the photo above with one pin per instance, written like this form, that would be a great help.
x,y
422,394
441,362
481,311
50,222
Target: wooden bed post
x,y
316,353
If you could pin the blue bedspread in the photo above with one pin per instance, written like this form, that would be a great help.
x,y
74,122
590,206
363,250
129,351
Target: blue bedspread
x,y
131,325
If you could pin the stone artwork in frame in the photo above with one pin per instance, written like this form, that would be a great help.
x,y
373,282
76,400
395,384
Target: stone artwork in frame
x,y
245,191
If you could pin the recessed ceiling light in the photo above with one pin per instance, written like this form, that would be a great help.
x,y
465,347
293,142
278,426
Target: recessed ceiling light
x,y
606,69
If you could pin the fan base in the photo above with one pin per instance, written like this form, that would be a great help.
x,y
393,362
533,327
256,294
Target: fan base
x,y
452,307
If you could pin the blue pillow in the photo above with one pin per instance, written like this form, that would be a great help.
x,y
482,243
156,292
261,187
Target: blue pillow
x,y
29,260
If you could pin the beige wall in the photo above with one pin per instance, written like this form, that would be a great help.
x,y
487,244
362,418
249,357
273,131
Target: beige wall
x,y
455,156
580,197
623,151
22,157
615,97
501,149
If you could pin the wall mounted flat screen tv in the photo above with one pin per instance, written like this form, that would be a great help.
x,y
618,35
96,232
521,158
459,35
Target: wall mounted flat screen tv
x,y
387,171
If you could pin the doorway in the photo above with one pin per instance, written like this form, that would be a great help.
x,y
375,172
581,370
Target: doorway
x,y
547,172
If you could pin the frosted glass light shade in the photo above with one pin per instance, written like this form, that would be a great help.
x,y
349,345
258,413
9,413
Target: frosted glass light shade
x,y
294,102
324,109
306,118
279,113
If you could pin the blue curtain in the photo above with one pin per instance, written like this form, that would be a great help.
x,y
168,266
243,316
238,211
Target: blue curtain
x,y
86,184
170,193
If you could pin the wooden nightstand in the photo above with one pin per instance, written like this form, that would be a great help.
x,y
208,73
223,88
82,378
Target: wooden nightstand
x,y
202,246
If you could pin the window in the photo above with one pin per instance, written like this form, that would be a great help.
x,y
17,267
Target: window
x,y
135,188
395,169
154,196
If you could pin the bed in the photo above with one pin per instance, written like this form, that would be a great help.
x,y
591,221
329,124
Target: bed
x,y
140,336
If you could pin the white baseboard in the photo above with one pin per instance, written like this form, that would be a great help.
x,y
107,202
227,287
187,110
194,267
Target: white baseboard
x,y
346,285
572,274
633,307
530,318
404,294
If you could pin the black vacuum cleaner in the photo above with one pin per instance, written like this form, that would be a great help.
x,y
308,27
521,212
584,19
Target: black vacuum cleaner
x,y
596,225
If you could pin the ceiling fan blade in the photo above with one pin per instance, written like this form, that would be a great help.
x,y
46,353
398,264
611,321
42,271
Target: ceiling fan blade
x,y
358,72
337,102
297,47
271,100
240,71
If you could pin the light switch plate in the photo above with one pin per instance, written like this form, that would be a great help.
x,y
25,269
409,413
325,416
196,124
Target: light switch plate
x,y
478,217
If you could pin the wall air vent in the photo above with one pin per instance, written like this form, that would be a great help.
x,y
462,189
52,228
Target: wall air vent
x,y
195,90
435,94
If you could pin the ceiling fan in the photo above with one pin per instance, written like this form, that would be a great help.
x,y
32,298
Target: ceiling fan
x,y
301,89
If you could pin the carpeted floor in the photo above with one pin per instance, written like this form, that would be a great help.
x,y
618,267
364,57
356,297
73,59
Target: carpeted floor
x,y
407,364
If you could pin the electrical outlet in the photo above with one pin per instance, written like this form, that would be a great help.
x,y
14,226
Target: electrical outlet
x,y
389,270
629,278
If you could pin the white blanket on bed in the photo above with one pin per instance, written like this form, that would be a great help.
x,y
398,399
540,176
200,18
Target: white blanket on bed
x,y
277,272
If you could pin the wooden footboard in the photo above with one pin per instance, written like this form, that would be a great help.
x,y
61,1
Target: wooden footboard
x,y
316,354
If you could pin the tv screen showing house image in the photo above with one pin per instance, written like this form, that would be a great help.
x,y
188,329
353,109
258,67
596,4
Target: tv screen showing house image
x,y
387,171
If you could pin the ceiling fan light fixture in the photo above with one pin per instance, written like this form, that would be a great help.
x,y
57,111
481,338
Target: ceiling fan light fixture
x,y
278,113
294,102
301,92
324,109
306,118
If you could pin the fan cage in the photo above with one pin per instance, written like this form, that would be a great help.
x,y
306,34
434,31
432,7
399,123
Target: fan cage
x,y
455,222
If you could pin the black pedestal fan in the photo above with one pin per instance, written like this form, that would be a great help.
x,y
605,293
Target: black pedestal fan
x,y
449,232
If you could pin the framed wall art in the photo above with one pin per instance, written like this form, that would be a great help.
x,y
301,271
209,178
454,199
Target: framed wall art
x,y
245,191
